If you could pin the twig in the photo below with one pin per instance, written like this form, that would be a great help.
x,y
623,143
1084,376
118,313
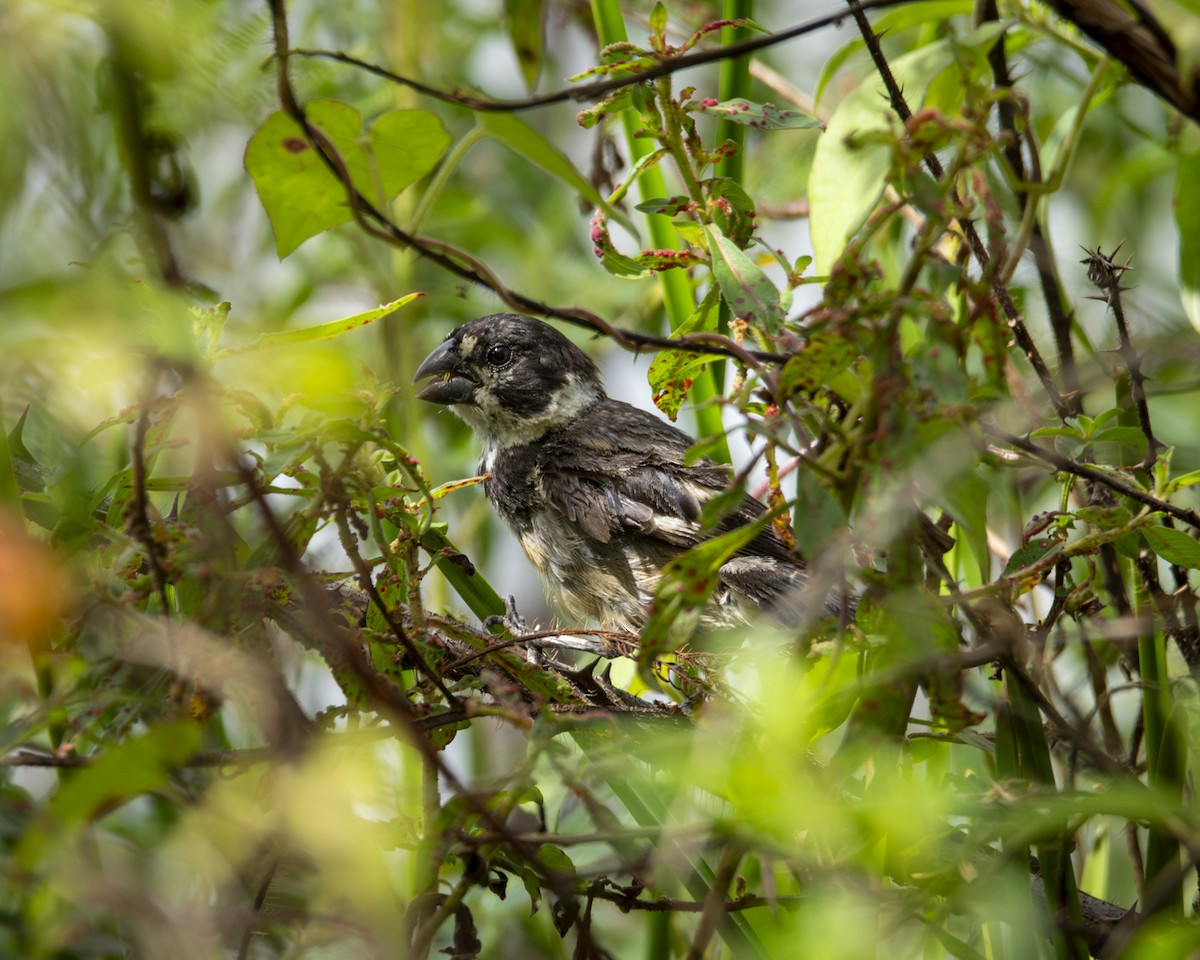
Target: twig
x,y
259,899
1066,464
1052,292
630,900
600,88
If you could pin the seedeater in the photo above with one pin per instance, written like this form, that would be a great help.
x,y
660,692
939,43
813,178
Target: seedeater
x,y
597,491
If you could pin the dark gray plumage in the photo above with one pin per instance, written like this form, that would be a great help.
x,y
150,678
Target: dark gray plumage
x,y
596,490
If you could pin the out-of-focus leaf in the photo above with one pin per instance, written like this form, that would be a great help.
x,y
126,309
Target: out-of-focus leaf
x,y
1187,218
748,291
823,355
891,22
322,331
303,198
1174,546
687,583
522,139
525,31
134,767
10,489
760,116
966,497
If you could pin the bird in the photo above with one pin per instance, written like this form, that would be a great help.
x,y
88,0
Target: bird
x,y
600,494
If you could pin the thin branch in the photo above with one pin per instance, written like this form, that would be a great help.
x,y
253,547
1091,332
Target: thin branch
x,y
600,88
1008,110
630,900
1066,464
259,899
1141,45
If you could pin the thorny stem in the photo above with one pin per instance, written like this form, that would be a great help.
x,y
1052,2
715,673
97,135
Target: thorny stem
x,y
1106,273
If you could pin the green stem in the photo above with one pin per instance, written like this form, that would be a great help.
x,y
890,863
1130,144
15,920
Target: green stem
x,y
679,299
439,179
734,83
1027,735
1164,772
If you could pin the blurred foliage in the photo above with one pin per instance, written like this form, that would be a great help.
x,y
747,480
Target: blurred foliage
x,y
259,696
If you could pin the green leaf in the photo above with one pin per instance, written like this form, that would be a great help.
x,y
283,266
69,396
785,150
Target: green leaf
x,y
1187,219
687,584
672,372
749,293
1030,554
523,140
134,767
301,195
966,496
670,206
823,355
1072,432
890,23
760,116
322,331
849,167
1183,480
10,489
1174,546
525,19
1127,436
612,259
612,104
468,583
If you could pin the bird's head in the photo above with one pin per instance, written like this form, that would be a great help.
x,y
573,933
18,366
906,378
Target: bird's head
x,y
511,378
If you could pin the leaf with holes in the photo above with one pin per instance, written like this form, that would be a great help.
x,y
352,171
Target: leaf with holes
x,y
673,372
760,116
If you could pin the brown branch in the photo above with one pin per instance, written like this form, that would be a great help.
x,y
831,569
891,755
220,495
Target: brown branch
x,y
1052,293
1141,44
1066,464
367,585
629,899
260,898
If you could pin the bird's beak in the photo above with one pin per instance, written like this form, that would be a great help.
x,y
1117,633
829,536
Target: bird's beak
x,y
453,384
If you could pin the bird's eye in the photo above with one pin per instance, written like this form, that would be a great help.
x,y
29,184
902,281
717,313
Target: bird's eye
x,y
499,354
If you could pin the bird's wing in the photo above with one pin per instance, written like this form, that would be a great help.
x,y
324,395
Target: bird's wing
x,y
620,471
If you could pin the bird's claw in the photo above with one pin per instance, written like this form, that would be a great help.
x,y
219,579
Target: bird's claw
x,y
511,620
